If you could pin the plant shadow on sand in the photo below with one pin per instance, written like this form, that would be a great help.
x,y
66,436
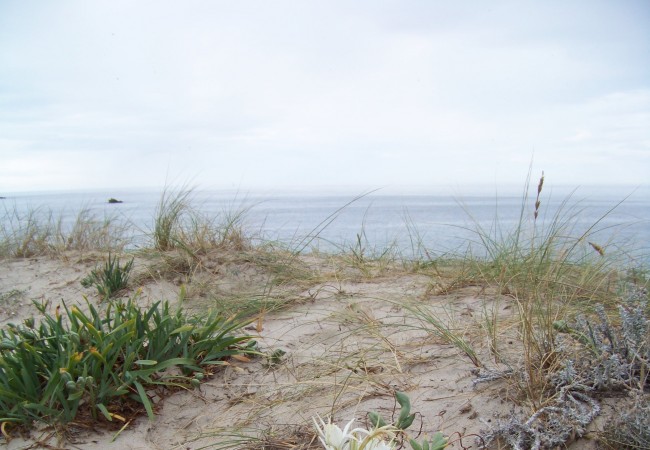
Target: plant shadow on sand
x,y
491,350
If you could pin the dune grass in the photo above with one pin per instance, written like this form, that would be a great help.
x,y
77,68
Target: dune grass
x,y
553,274
39,232
544,269
179,223
548,271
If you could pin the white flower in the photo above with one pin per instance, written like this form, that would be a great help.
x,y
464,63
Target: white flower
x,y
374,439
378,444
332,437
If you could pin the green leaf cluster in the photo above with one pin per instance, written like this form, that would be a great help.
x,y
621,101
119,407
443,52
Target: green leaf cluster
x,y
110,279
404,420
97,363
437,442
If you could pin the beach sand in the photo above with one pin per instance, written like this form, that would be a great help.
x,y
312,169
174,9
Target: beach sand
x,y
350,344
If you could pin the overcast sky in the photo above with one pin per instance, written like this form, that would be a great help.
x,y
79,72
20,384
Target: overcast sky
x,y
120,94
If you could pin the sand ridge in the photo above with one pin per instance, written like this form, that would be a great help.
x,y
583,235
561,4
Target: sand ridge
x,y
347,343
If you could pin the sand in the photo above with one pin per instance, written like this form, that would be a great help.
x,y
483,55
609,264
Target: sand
x,y
350,344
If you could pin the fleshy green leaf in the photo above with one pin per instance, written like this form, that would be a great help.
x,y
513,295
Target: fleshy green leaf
x,y
376,420
404,424
145,400
146,362
105,412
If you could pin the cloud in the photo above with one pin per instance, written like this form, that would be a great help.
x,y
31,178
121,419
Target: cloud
x,y
580,135
264,93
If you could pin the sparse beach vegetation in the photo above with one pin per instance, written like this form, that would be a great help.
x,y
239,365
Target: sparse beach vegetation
x,y
110,279
518,342
40,232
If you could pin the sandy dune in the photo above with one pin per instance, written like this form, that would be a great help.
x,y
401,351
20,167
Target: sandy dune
x,y
350,340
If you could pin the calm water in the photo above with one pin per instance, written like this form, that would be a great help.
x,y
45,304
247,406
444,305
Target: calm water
x,y
439,221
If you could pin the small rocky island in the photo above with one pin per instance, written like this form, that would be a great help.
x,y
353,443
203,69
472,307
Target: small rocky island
x,y
114,200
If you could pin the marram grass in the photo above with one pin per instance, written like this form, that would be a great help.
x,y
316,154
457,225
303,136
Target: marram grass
x,y
39,232
75,365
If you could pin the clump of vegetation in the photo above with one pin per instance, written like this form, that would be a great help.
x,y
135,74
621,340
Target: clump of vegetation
x,y
381,436
90,232
76,366
168,220
26,234
178,225
617,356
39,232
631,430
608,358
556,277
370,262
549,272
111,279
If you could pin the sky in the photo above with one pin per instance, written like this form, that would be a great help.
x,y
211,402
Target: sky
x,y
310,93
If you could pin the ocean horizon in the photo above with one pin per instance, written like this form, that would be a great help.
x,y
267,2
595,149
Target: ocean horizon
x,y
443,220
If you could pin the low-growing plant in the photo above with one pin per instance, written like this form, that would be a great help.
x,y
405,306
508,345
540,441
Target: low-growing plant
x,y
431,324
382,436
405,418
630,431
74,365
275,358
598,358
617,356
436,442
370,262
110,279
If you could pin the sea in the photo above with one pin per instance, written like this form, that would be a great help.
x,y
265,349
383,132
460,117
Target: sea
x,y
415,222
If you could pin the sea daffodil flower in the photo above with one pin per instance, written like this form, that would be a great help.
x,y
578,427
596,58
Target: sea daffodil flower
x,y
374,439
378,444
332,437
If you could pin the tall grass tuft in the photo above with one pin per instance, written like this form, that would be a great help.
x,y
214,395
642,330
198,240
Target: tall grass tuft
x,y
38,232
550,270
90,232
26,234
179,225
169,215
